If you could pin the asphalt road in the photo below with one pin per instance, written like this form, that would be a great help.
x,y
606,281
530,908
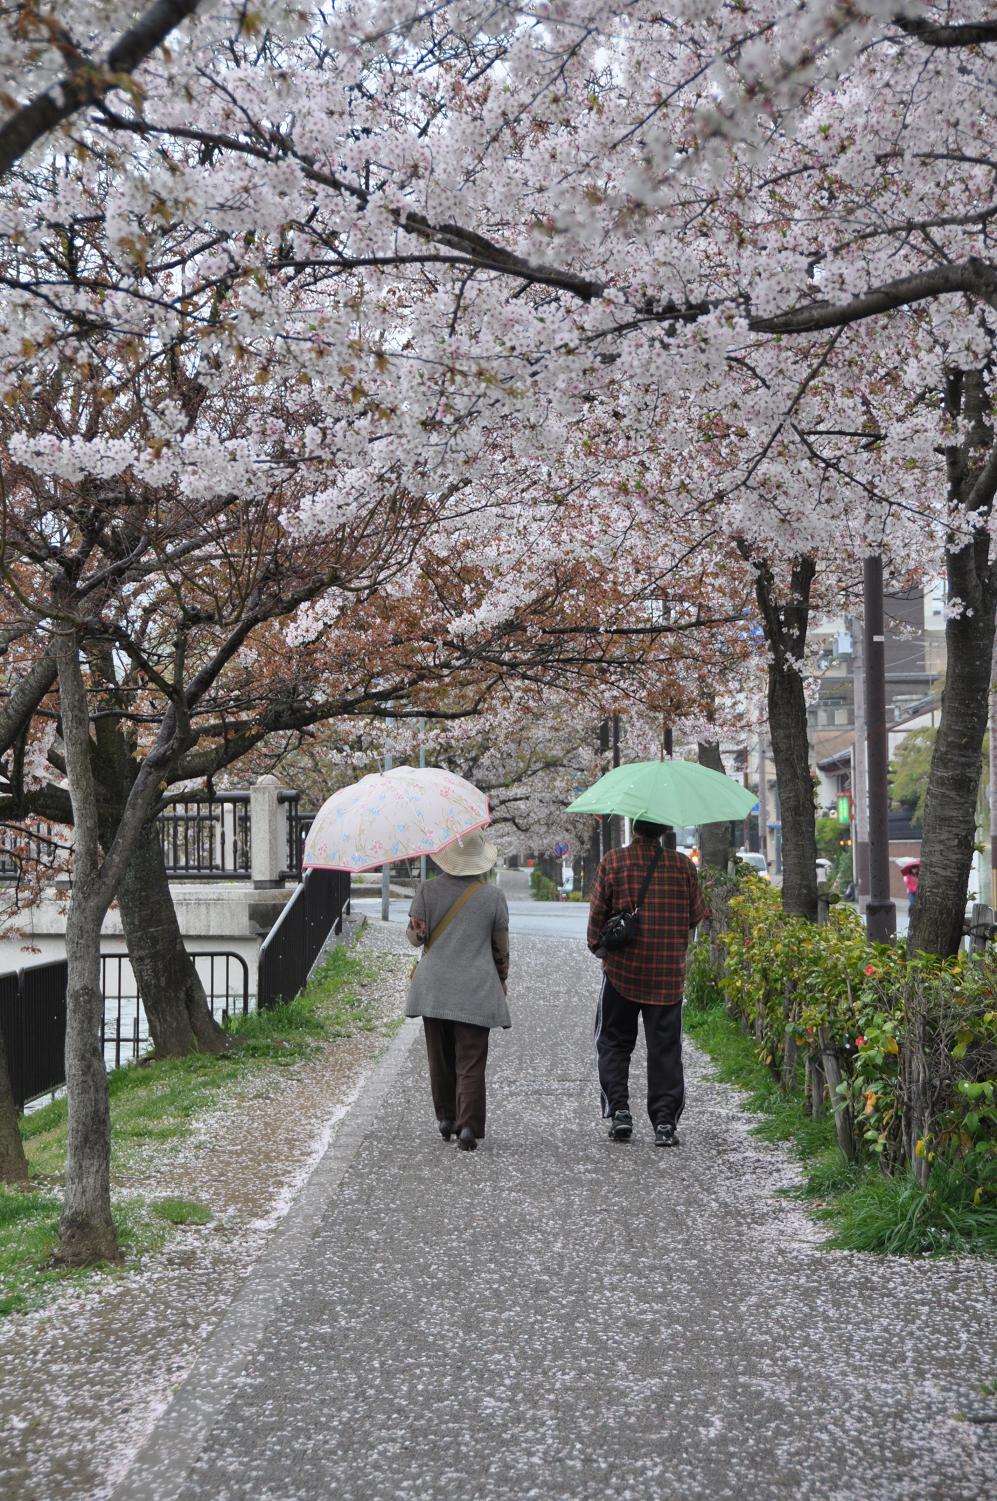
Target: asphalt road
x,y
556,1316
541,919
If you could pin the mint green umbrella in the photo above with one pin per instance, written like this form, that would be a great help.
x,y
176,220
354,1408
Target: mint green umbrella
x,y
672,792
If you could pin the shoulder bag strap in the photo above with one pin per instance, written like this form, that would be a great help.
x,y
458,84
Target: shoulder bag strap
x,y
450,913
647,879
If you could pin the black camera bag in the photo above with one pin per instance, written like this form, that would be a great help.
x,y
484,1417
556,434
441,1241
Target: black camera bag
x,y
618,929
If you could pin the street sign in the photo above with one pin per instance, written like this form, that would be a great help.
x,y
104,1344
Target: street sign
x,y
844,808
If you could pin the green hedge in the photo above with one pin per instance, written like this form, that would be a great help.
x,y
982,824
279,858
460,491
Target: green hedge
x,y
902,1051
542,888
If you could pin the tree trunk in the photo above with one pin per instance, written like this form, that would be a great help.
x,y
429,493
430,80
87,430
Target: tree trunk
x,y
949,826
813,1085
180,1021
786,631
172,994
715,845
13,1163
789,1077
86,1229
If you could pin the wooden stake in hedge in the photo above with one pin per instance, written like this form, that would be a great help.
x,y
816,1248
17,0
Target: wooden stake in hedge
x,y
843,1122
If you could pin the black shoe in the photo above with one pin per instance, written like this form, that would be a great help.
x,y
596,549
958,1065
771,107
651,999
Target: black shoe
x,y
665,1135
446,1129
467,1141
621,1126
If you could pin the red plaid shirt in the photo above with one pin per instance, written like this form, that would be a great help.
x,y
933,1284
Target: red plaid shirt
x,y
651,968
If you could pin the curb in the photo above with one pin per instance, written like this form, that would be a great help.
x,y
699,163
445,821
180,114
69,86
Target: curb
x,y
160,1468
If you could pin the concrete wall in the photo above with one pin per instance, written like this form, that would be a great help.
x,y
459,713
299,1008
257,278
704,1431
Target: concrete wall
x,y
232,916
215,917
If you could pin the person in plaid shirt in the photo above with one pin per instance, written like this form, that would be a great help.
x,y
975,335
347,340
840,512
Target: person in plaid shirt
x,y
645,978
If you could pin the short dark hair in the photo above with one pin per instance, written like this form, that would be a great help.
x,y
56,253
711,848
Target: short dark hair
x,y
650,830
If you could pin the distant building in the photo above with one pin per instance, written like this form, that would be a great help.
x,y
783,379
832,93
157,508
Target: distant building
x,y
915,666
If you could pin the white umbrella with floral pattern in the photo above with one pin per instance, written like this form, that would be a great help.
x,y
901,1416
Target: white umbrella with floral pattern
x,y
394,815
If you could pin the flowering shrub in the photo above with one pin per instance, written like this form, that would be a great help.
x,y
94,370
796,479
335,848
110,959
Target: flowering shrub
x,y
904,1050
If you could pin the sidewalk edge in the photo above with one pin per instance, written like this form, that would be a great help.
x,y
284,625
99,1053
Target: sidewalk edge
x,y
160,1467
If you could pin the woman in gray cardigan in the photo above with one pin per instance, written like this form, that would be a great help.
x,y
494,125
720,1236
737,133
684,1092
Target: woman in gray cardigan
x,y
459,984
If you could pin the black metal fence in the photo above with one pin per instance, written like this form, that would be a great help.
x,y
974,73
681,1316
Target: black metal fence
x,y
31,844
125,1029
290,949
207,837
203,838
33,1021
33,1015
298,824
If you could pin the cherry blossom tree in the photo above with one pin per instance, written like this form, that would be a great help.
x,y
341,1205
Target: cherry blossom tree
x,y
486,230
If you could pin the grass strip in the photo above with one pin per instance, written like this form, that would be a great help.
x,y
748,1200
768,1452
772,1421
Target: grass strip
x,y
865,1210
156,1104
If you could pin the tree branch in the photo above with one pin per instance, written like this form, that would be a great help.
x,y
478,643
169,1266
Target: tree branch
x,y
974,276
87,82
969,34
17,711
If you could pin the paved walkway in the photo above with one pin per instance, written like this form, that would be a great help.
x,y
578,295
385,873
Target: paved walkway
x,y
561,1317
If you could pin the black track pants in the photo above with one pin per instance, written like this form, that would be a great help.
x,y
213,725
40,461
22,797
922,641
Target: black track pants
x,y
615,1037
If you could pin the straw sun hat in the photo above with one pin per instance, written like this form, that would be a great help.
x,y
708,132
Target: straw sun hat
x,y
471,855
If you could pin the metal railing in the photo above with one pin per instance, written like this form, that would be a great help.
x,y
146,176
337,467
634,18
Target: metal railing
x,y
289,951
33,1021
31,844
124,1027
33,1015
209,838
203,838
298,824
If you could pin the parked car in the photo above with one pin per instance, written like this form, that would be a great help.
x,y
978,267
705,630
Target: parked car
x,y
755,861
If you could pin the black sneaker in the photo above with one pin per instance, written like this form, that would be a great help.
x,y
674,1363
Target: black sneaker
x,y
621,1126
467,1141
665,1135
446,1129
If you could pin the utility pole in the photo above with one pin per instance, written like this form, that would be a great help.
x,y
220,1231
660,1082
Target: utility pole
x,y
993,781
763,800
386,869
881,915
606,823
860,794
422,763
617,822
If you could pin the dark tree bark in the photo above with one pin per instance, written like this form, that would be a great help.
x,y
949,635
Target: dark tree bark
x,y
715,846
86,1229
89,79
786,626
949,825
13,1163
175,1003
172,994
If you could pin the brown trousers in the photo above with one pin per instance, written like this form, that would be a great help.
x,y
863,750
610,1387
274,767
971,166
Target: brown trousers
x,y
457,1053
